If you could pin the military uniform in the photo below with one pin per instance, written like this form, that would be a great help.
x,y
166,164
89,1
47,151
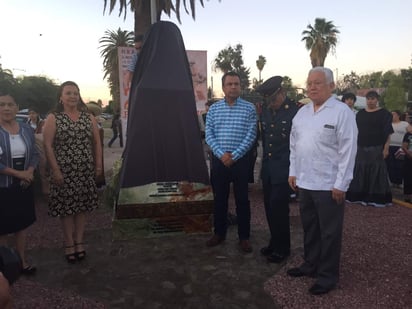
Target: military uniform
x,y
275,128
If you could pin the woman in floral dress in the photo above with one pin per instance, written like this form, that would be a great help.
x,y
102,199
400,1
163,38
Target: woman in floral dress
x,y
74,154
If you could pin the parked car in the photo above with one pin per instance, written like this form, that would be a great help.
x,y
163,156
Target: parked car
x,y
106,116
22,117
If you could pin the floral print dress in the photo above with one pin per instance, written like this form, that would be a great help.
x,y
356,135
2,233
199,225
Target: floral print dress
x,y
73,148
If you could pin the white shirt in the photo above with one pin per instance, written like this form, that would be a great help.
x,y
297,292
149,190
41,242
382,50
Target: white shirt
x,y
323,146
398,134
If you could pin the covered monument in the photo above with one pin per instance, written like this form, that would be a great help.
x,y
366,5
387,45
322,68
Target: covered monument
x,y
164,172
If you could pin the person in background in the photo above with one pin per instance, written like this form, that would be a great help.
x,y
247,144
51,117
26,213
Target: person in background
x,y
230,133
275,124
117,130
322,157
138,43
350,99
394,161
407,167
35,120
74,154
37,124
370,184
18,159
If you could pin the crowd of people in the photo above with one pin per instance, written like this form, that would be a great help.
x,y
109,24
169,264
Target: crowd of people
x,y
324,151
69,141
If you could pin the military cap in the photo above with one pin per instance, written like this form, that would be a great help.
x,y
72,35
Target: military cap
x,y
270,86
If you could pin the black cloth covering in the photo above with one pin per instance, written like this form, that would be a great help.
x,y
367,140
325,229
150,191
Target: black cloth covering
x,y
163,135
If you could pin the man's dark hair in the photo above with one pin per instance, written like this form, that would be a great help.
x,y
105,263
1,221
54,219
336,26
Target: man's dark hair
x,y
231,73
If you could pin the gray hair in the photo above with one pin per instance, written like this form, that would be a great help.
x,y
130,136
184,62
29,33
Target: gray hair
x,y
326,71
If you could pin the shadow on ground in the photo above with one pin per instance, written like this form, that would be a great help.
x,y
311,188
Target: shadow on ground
x,y
163,272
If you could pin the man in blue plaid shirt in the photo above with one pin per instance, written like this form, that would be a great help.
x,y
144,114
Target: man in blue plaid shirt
x,y
230,133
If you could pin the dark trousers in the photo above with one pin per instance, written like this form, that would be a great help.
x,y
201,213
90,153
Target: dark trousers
x,y
276,200
115,135
322,220
252,161
221,177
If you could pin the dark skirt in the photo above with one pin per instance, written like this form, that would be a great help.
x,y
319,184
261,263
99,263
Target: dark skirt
x,y
370,177
395,166
16,209
407,170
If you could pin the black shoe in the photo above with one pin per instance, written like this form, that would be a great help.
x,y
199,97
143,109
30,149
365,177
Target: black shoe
x,y
70,257
245,246
80,255
297,272
317,289
277,258
215,241
29,270
266,251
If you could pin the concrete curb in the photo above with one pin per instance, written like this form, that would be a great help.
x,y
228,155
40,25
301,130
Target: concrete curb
x,y
402,203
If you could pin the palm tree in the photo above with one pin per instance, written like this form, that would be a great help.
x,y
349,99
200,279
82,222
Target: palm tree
x,y
231,59
108,45
142,11
320,39
260,63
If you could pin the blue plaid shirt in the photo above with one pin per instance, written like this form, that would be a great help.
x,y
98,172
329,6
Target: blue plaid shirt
x,y
231,128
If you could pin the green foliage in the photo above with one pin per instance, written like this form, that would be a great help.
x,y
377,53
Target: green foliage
x,y
108,51
38,92
260,64
7,81
111,191
142,10
109,108
320,39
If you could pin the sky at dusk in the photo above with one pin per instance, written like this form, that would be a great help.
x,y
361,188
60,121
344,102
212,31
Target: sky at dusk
x,y
59,39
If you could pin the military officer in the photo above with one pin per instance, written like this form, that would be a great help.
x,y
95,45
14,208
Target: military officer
x,y
276,123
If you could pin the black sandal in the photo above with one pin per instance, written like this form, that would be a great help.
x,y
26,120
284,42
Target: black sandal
x,y
80,255
70,257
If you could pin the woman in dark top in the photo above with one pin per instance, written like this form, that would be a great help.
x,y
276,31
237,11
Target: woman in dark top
x,y
407,170
370,185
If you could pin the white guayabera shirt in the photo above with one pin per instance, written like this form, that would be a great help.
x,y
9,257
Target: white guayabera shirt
x,y
323,146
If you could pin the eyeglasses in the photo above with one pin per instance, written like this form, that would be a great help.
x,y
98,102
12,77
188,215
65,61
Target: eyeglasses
x,y
8,104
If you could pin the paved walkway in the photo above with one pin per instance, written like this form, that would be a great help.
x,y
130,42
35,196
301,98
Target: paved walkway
x,y
163,272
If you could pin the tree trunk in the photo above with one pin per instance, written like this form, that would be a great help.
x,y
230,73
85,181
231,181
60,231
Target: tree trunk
x,y
142,17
